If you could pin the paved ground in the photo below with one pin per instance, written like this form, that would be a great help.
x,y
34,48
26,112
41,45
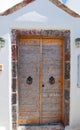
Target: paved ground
x,y
47,127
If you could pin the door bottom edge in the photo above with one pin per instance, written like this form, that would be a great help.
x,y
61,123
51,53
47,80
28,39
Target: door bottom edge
x,y
46,124
57,126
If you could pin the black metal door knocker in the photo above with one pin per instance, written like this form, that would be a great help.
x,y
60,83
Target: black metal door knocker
x,y
29,80
51,80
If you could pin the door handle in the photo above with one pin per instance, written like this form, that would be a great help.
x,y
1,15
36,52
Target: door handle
x,y
52,80
29,80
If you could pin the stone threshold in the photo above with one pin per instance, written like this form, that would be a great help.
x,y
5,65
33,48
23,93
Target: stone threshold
x,y
41,127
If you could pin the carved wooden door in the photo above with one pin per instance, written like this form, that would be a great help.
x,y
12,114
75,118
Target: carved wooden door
x,y
40,81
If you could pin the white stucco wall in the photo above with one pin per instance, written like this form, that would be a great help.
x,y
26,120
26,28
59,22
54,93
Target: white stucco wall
x,y
72,4
4,5
5,85
47,16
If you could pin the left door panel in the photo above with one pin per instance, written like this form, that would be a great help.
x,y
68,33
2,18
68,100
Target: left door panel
x,y
29,81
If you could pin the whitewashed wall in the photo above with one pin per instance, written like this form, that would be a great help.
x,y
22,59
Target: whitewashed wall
x,y
72,4
37,15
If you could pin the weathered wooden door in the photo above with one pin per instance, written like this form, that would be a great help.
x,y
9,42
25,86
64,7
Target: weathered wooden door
x,y
29,93
52,80
40,80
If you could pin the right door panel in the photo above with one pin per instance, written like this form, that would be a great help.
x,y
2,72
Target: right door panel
x,y
52,80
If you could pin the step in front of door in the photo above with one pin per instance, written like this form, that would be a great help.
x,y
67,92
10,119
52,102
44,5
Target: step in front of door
x,y
45,127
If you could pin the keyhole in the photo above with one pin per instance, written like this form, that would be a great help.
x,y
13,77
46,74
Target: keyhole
x,y
42,85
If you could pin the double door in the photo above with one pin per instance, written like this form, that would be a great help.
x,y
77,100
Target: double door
x,y
40,80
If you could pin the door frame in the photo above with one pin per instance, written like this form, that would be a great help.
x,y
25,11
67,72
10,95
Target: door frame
x,y
61,34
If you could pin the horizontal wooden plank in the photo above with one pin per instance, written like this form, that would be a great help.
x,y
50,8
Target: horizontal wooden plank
x,y
29,116
48,39
51,114
29,108
51,107
51,120
28,121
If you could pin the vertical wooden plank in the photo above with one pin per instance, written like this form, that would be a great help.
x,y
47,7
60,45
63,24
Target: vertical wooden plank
x,y
18,87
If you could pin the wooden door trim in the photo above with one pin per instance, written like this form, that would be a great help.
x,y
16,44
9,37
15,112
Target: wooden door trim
x,y
63,69
31,37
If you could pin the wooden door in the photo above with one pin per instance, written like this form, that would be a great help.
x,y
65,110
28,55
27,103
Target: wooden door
x,y
29,92
52,80
40,101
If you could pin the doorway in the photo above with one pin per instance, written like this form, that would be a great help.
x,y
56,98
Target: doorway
x,y
41,80
46,81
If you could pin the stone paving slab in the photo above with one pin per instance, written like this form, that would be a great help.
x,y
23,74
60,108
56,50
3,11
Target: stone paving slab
x,y
47,127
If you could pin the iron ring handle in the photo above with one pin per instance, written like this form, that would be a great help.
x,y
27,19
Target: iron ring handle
x,y
52,80
29,80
